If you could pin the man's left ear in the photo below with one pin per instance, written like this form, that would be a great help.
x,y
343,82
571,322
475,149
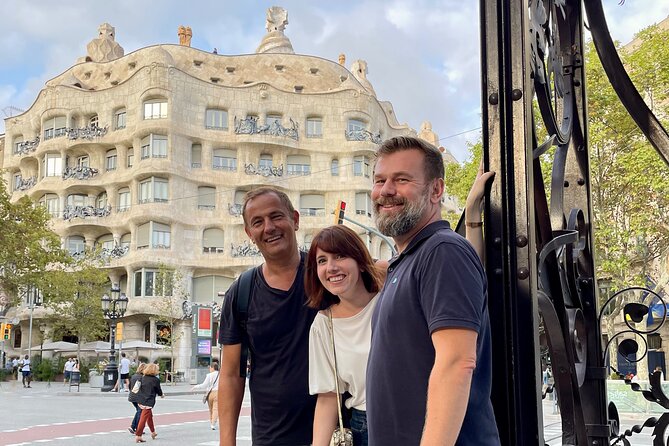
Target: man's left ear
x,y
296,219
437,190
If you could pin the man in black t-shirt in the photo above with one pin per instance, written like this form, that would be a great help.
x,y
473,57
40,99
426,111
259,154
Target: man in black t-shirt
x,y
278,326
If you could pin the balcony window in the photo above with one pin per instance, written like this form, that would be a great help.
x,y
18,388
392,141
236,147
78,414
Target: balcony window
x,y
314,128
206,288
53,165
312,205
298,165
145,280
361,166
125,240
51,203
76,244
155,109
106,242
110,160
265,161
216,119
196,156
17,144
54,127
363,204
101,200
213,240
355,125
153,235
124,199
154,146
272,119
93,121
224,159
16,181
77,200
130,157
119,119
334,167
82,161
153,189
206,198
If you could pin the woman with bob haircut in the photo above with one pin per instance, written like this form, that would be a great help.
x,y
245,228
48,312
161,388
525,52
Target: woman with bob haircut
x,y
341,280
146,399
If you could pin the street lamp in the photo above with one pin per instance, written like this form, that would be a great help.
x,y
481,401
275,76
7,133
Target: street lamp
x,y
113,308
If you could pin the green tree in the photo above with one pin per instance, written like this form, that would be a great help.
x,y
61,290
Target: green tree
x,y
458,179
29,247
73,297
173,292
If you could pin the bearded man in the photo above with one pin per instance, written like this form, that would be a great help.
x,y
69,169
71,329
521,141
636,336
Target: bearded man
x,y
429,373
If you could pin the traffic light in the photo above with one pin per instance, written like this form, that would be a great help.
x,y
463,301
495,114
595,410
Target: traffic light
x,y
339,212
6,331
119,331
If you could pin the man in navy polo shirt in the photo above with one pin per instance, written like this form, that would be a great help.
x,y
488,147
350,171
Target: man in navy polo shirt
x,y
429,370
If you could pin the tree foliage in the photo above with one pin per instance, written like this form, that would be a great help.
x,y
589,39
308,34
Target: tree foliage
x,y
173,292
29,247
630,182
73,296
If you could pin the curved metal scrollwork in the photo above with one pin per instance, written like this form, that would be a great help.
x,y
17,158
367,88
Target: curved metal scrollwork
x,y
539,232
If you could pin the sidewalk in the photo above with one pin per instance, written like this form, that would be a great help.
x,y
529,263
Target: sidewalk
x,y
60,389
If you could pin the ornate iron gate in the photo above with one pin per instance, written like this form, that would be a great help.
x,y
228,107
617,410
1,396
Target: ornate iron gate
x,y
539,250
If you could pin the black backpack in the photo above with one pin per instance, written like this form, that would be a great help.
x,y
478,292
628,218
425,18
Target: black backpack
x,y
242,314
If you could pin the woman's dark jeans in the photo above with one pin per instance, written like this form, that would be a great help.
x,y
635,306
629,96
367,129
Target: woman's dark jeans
x,y
135,421
359,427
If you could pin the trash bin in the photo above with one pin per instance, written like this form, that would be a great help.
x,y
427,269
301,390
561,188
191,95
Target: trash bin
x,y
75,381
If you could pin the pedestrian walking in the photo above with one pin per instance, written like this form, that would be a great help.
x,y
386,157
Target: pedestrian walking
x,y
67,370
146,398
133,397
26,372
210,385
124,370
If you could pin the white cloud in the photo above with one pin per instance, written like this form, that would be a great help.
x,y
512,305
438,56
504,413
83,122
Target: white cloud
x,y
423,55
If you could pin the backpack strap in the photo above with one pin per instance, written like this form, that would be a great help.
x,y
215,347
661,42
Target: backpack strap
x,y
243,299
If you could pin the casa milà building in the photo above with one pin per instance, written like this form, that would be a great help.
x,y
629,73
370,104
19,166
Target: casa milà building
x,y
148,156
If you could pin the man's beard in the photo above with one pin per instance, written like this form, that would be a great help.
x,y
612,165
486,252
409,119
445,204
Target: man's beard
x,y
394,225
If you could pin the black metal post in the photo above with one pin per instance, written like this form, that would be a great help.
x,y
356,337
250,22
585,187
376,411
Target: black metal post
x,y
110,377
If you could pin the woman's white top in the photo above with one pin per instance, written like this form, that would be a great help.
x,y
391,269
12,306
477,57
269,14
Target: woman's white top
x,y
210,382
352,341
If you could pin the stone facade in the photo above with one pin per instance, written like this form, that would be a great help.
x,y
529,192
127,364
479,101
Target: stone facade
x,y
148,155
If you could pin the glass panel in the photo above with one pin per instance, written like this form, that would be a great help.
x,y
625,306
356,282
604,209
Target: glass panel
x,y
206,197
356,124
334,168
314,127
216,119
196,155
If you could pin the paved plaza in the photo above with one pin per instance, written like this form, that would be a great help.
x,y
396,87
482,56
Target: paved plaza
x,y
49,414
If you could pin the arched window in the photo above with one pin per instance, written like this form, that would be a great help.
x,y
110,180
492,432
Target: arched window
x,y
213,240
155,108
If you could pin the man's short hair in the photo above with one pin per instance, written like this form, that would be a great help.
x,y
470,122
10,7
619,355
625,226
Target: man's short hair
x,y
262,190
433,161
123,355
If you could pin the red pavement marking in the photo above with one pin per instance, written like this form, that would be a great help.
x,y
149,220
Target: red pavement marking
x,y
50,432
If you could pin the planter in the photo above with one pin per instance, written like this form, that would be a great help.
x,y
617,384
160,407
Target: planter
x,y
95,380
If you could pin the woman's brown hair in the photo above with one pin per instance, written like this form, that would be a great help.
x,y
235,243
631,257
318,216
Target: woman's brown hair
x,y
344,241
151,369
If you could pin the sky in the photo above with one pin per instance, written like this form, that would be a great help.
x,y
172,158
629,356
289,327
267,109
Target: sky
x,y
422,55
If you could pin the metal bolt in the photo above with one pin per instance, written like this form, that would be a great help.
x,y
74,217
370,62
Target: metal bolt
x,y
523,273
566,184
493,98
497,241
516,94
580,181
577,83
521,241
